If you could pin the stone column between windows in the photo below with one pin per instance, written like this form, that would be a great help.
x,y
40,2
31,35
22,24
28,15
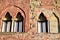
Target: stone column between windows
x,y
12,28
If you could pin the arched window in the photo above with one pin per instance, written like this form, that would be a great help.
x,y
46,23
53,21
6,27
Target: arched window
x,y
42,23
18,24
6,25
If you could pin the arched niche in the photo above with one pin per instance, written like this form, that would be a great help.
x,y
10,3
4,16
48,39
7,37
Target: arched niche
x,y
54,23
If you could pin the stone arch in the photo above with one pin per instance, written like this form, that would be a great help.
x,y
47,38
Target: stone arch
x,y
21,10
8,9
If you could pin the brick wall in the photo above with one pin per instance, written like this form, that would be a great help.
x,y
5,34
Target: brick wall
x,y
29,36
13,7
36,7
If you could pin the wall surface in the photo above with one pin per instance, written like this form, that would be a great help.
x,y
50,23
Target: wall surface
x,y
32,10
50,10
29,36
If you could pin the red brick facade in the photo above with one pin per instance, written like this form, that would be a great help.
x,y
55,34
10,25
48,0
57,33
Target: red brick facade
x,y
13,7
30,11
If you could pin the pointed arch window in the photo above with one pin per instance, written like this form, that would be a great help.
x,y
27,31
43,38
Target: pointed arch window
x,y
6,25
18,24
42,24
